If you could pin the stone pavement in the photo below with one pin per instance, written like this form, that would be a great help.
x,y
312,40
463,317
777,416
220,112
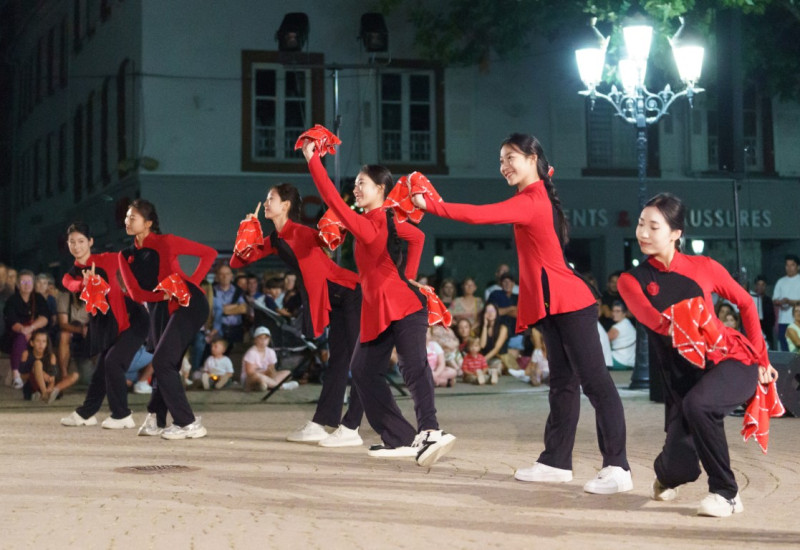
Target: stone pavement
x,y
244,487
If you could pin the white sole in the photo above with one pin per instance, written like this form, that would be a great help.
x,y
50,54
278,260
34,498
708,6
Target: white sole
x,y
428,459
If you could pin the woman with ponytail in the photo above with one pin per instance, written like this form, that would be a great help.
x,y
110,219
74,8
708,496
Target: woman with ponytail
x,y
178,308
554,298
331,297
115,335
393,315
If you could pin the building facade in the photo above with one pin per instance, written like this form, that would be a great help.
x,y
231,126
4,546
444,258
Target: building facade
x,y
191,104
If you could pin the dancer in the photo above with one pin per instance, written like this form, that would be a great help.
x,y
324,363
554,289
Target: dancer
x,y
178,308
699,394
393,314
115,335
561,304
331,297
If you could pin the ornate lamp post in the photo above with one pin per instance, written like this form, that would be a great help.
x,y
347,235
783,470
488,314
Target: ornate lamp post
x,y
637,105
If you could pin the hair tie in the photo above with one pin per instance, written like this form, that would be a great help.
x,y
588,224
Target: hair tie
x,y
550,172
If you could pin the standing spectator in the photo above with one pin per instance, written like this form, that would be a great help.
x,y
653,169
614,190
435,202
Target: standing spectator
x,y
609,296
217,369
501,270
793,331
258,365
447,292
467,306
25,312
230,298
785,296
766,309
622,337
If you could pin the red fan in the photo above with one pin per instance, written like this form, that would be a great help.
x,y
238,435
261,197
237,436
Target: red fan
x,y
331,230
94,294
694,333
324,139
437,311
248,237
420,185
763,405
399,200
176,288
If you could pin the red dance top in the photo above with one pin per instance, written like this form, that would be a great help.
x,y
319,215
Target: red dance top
x,y
315,267
645,290
547,284
106,266
144,266
386,296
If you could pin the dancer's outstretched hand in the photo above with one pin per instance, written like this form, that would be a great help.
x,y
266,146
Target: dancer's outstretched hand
x,y
419,201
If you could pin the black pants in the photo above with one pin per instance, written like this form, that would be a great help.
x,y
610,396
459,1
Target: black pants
x,y
169,395
576,360
371,361
342,340
112,365
695,428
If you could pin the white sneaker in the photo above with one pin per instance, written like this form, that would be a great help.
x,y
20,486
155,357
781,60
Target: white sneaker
x,y
516,373
74,419
118,423
717,506
192,431
150,426
53,396
610,480
310,433
290,385
432,445
342,437
384,451
18,383
142,388
661,492
543,473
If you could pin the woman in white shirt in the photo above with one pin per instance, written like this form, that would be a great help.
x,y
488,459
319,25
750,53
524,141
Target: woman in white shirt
x,y
623,338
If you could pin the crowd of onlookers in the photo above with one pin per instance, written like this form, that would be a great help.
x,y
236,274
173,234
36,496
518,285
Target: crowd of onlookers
x,y
254,326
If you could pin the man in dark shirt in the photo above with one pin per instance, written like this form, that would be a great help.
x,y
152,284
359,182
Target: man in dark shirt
x,y
766,310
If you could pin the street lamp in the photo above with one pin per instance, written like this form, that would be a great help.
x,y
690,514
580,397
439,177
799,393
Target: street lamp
x,y
635,104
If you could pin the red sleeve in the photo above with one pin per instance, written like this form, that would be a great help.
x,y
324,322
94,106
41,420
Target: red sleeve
x,y
361,228
728,288
517,209
132,285
185,247
71,283
237,261
415,239
640,306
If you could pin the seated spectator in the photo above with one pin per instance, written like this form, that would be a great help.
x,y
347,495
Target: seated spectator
x,y
218,369
793,331
467,306
506,302
447,339
501,270
447,292
623,338
272,291
3,295
443,375
607,299
43,285
494,340
140,372
199,348
722,308
475,367
732,320
25,312
258,365
73,325
230,298
38,368
538,369
464,331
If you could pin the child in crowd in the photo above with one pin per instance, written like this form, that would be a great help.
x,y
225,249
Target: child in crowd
x,y
258,365
218,369
38,367
475,367
444,374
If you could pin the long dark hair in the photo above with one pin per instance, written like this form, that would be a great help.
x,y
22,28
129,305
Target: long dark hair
x,y
394,244
288,192
529,145
48,351
79,227
673,210
148,211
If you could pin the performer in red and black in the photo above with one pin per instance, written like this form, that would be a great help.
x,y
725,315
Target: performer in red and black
x,y
393,314
152,261
114,335
331,297
697,399
554,298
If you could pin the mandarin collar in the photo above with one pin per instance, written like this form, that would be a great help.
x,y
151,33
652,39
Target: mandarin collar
x,y
532,186
145,242
677,261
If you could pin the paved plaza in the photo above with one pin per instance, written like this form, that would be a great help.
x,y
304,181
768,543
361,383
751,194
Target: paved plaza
x,y
245,487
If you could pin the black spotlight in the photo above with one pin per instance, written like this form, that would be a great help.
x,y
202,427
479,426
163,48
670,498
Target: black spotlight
x,y
373,32
293,32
